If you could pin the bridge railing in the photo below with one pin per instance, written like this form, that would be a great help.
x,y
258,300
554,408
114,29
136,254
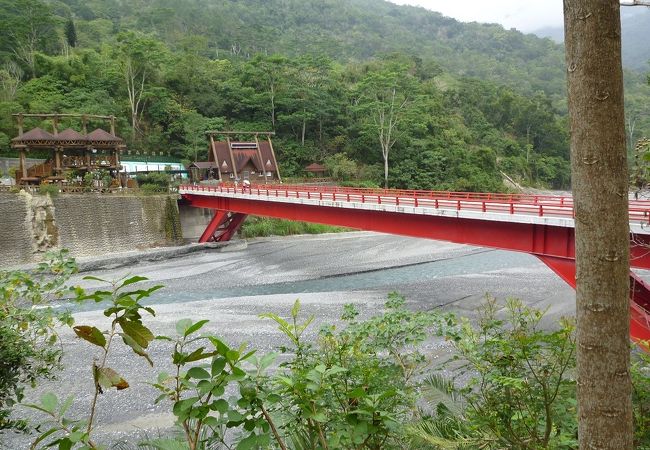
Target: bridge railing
x,y
522,204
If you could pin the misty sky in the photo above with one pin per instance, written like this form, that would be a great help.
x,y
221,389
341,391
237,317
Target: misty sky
x,y
525,15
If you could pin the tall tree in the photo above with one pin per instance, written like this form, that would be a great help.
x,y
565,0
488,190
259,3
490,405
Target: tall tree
x,y
386,102
28,26
140,58
70,33
600,190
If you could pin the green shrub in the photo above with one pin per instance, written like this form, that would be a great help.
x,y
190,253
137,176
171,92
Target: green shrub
x,y
51,189
159,179
28,340
264,227
150,189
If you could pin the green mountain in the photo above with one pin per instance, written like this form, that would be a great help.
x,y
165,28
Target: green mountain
x,y
635,34
341,29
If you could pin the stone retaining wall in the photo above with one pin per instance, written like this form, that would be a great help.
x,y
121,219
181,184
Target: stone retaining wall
x,y
87,225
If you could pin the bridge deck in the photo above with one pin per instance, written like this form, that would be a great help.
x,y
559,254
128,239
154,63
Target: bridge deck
x,y
533,209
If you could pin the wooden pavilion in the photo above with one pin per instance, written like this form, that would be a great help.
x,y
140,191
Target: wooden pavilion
x,y
252,160
69,149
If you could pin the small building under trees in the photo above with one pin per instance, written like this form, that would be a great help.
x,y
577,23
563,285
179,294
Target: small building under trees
x,y
316,170
71,153
252,160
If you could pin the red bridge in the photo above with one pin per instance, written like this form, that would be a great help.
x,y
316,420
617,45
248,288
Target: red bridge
x,y
541,225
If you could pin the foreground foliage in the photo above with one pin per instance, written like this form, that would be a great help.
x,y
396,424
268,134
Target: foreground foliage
x,y
359,384
29,345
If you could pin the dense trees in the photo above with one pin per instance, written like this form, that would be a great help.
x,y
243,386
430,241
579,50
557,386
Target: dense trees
x,y
169,71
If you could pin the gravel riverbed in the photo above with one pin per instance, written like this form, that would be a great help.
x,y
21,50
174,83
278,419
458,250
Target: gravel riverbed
x,y
232,285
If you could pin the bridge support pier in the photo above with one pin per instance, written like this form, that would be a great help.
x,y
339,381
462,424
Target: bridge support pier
x,y
223,226
639,294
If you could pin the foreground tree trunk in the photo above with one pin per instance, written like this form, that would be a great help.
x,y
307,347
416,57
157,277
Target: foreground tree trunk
x,y
600,190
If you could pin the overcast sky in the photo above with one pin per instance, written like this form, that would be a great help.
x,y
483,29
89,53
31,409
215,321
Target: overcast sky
x,y
525,15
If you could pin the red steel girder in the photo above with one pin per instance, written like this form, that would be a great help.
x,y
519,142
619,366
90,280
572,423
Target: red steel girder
x,y
217,220
537,239
639,295
223,226
236,221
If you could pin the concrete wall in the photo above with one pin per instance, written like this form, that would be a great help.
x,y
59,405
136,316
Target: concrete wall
x,y
194,220
15,230
89,224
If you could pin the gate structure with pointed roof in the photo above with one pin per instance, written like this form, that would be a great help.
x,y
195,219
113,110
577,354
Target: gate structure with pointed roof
x,y
252,160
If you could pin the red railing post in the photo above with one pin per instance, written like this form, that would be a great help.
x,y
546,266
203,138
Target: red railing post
x,y
416,202
348,197
512,208
396,201
541,210
363,198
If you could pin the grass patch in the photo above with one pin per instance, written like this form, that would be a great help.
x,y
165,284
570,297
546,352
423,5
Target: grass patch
x,y
263,226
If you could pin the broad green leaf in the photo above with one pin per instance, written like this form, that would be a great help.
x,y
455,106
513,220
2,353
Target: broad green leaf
x,y
198,372
182,326
220,406
267,360
195,327
248,443
132,280
140,334
90,334
218,364
108,378
49,402
66,405
90,277
184,405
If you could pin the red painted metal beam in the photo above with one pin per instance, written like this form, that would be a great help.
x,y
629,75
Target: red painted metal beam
x,y
543,240
236,221
218,219
639,296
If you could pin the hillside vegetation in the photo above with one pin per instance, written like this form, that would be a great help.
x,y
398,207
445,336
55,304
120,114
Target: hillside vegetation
x,y
360,85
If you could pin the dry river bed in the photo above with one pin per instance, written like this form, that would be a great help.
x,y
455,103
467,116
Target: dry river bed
x,y
233,285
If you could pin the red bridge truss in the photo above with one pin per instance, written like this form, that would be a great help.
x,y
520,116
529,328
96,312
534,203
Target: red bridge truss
x,y
542,225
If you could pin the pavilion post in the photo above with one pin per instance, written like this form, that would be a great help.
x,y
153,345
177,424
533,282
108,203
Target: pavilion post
x,y
23,164
57,160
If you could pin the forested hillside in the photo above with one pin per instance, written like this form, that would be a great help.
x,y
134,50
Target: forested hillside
x,y
450,105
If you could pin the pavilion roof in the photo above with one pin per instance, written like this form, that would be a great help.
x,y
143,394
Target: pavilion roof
x,y
36,134
100,135
70,135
